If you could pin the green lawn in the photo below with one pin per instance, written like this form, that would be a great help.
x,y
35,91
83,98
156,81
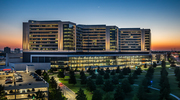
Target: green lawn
x,y
76,87
154,95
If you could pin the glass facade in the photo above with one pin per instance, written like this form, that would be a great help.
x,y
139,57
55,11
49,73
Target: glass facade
x,y
43,37
86,61
79,38
68,37
94,38
113,39
130,40
147,39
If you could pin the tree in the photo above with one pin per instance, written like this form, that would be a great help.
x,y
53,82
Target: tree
x,y
89,69
145,65
67,68
179,84
101,72
91,85
52,83
83,79
106,75
44,73
135,75
164,83
154,64
115,80
113,72
131,79
61,73
108,86
126,86
50,70
76,69
81,95
39,95
38,72
107,70
120,76
135,97
98,70
176,71
2,93
163,64
125,71
128,70
145,84
82,74
178,76
163,77
119,94
149,75
46,77
141,93
117,70
72,79
164,72
139,71
56,94
91,72
150,70
97,95
108,96
99,80
93,76
164,94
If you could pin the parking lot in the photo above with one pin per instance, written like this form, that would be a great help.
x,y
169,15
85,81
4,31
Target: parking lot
x,y
26,80
23,89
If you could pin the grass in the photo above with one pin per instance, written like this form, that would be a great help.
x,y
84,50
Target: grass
x,y
76,87
154,95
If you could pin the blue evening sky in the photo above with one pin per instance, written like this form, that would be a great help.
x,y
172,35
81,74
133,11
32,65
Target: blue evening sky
x,y
161,16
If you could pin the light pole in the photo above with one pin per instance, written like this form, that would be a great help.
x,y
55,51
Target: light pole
x,y
14,81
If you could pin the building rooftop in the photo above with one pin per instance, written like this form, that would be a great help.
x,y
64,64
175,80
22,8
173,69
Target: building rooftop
x,y
28,81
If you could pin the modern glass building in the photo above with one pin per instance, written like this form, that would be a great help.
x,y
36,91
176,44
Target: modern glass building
x,y
66,44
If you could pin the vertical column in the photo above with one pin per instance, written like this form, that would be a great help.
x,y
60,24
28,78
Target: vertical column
x,y
107,38
117,41
142,40
59,35
60,38
25,36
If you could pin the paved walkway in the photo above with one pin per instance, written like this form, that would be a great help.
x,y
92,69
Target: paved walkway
x,y
159,90
68,93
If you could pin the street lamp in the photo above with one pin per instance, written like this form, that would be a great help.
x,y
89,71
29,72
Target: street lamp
x,y
14,81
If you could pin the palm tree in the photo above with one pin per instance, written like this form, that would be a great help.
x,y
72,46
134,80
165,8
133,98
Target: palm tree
x,y
40,95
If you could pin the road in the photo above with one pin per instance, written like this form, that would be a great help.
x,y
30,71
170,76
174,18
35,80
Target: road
x,y
68,93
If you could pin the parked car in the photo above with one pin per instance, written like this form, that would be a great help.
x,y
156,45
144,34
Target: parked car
x,y
35,76
31,73
9,77
19,80
39,79
8,81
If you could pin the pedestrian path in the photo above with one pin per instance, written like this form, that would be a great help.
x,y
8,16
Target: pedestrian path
x,y
159,90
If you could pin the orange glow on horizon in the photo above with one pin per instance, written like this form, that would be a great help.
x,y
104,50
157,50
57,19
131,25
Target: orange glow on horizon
x,y
165,46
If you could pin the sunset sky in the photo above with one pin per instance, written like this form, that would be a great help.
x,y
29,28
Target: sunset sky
x,y
161,16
